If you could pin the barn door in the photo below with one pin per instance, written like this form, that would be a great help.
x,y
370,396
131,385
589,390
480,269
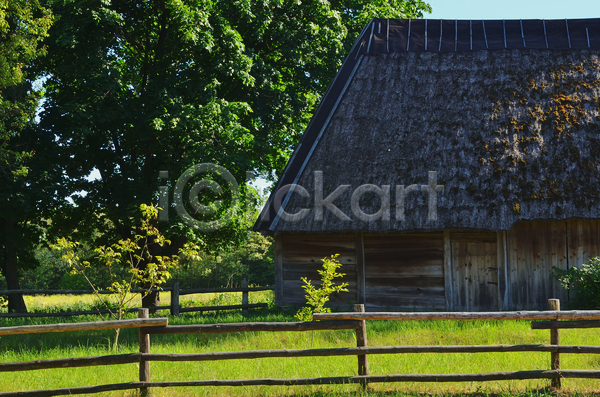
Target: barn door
x,y
474,271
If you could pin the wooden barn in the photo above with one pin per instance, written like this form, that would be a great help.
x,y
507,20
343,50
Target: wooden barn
x,y
451,164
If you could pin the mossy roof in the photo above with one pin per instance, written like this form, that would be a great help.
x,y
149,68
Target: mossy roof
x,y
512,131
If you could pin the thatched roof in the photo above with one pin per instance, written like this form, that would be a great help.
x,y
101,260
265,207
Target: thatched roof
x,y
506,113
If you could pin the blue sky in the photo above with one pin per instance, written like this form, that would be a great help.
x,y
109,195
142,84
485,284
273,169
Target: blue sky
x,y
514,9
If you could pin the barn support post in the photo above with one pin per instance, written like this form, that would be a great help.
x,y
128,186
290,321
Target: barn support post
x,y
503,283
554,304
144,340
278,254
361,295
361,341
449,294
175,298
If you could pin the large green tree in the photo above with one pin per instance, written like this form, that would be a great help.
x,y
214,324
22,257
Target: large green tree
x,y
141,86
23,24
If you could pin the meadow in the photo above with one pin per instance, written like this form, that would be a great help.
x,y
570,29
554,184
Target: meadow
x,y
380,333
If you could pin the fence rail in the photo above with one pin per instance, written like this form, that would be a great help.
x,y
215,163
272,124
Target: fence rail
x,y
464,316
174,308
361,351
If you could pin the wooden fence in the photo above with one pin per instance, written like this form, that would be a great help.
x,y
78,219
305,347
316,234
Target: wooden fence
x,y
174,308
334,321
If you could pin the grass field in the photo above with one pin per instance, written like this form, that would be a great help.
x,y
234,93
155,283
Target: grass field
x,y
380,333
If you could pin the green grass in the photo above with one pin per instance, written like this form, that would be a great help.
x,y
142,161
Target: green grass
x,y
380,333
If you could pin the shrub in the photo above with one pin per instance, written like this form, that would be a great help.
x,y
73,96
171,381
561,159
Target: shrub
x,y
584,281
317,297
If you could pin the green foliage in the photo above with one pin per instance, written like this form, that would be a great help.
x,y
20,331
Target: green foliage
x,y
226,267
137,87
584,281
316,298
144,269
23,25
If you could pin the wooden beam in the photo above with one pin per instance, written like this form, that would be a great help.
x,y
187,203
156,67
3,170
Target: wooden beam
x,y
71,362
554,304
144,344
448,290
503,274
480,377
213,290
76,362
228,307
278,254
467,316
565,324
352,351
361,342
71,291
361,275
95,325
254,327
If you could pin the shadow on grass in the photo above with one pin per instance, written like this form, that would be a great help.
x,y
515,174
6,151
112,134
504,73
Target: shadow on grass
x,y
128,339
541,392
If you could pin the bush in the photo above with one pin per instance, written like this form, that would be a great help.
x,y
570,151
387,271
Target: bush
x,y
584,281
316,298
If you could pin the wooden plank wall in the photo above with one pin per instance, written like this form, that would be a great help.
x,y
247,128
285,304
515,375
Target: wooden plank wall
x,y
302,257
534,248
474,271
458,272
404,272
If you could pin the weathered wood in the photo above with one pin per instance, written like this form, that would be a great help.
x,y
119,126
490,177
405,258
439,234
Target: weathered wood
x,y
72,362
74,390
361,293
175,298
253,327
75,313
227,307
75,362
89,326
520,315
493,376
448,275
70,291
361,341
503,274
554,304
278,255
214,290
475,267
404,271
302,256
565,324
245,295
144,342
352,351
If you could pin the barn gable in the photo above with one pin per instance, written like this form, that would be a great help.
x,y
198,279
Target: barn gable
x,y
460,134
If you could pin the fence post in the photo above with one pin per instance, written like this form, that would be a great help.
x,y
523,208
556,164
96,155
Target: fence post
x,y
175,298
245,295
554,304
144,348
361,341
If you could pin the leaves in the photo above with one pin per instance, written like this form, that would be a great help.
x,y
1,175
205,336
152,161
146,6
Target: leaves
x,y
584,281
138,87
144,269
318,297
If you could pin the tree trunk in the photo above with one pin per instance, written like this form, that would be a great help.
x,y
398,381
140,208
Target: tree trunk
x,y
16,303
152,299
